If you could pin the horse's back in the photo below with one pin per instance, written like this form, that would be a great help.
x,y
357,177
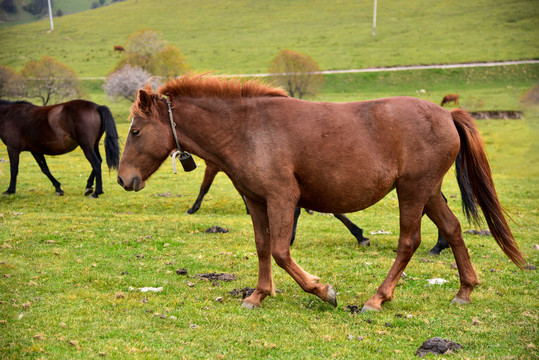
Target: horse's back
x,y
365,147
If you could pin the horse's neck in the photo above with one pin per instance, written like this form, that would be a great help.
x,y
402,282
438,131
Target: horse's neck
x,y
211,130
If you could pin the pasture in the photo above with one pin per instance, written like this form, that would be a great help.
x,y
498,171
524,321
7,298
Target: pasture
x,y
71,267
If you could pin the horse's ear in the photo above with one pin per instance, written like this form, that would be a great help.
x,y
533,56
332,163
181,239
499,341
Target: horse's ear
x,y
145,101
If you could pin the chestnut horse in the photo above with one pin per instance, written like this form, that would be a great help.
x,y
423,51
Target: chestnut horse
x,y
209,175
454,98
211,171
282,153
55,130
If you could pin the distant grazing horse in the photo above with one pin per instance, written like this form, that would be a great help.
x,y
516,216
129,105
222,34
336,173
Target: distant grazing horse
x,y
119,48
55,130
454,98
211,171
282,153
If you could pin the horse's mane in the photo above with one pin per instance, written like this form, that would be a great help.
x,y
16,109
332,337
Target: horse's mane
x,y
200,85
8,102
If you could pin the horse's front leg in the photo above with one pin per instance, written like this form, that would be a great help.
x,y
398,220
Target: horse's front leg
x,y
281,221
40,159
264,287
14,169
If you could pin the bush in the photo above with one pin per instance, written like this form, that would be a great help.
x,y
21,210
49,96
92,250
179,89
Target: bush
x,y
124,83
297,71
11,85
147,50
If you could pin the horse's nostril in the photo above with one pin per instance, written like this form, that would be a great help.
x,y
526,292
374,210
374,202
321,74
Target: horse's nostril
x,y
120,181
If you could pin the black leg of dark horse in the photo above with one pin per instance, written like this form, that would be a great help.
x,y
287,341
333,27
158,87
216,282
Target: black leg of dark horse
x,y
297,213
354,229
441,243
40,159
246,207
14,168
90,183
95,161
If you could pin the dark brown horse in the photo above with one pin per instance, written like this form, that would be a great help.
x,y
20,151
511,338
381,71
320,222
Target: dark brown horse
x,y
282,153
56,130
454,98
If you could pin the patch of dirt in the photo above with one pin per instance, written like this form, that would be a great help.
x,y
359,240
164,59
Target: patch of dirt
x,y
245,292
438,346
216,276
476,232
497,114
216,229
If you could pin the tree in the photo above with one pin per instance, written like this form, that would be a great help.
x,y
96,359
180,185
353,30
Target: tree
x,y
125,82
296,73
11,85
48,79
8,6
148,50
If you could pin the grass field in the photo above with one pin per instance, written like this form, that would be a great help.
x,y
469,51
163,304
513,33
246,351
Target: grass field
x,y
71,267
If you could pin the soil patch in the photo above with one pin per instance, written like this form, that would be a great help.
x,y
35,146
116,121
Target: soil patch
x,y
245,292
438,346
216,276
498,114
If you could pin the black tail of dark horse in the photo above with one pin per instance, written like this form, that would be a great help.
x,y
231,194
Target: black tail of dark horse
x,y
112,148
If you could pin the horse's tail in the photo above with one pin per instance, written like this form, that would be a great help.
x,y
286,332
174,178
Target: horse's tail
x,y
112,148
475,182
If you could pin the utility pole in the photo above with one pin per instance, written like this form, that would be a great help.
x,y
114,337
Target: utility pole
x,y
373,20
50,15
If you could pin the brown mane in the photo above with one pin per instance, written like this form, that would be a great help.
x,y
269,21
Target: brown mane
x,y
199,85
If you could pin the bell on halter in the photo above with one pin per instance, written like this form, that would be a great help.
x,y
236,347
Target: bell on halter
x,y
187,161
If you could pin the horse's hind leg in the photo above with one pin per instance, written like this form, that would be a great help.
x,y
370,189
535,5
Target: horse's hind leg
x,y
209,175
93,156
40,159
438,211
354,229
14,171
441,244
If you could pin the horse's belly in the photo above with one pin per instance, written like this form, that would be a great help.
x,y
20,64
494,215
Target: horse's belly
x,y
344,196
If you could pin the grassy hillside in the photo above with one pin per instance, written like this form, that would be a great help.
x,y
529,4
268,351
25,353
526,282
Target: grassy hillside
x,y
243,36
22,17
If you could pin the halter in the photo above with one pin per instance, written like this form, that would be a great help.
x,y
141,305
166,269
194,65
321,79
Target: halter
x,y
185,158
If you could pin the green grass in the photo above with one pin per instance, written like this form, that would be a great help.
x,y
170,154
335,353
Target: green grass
x,y
243,36
67,263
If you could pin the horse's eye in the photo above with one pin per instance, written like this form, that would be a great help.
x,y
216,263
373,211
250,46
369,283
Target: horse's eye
x,y
135,132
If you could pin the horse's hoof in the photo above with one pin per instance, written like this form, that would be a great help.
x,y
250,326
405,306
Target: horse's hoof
x,y
460,301
88,191
60,193
332,296
94,196
367,307
248,305
7,193
365,242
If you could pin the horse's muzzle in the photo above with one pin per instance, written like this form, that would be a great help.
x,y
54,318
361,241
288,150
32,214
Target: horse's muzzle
x,y
136,184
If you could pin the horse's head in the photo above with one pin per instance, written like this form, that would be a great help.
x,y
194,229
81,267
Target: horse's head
x,y
148,143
